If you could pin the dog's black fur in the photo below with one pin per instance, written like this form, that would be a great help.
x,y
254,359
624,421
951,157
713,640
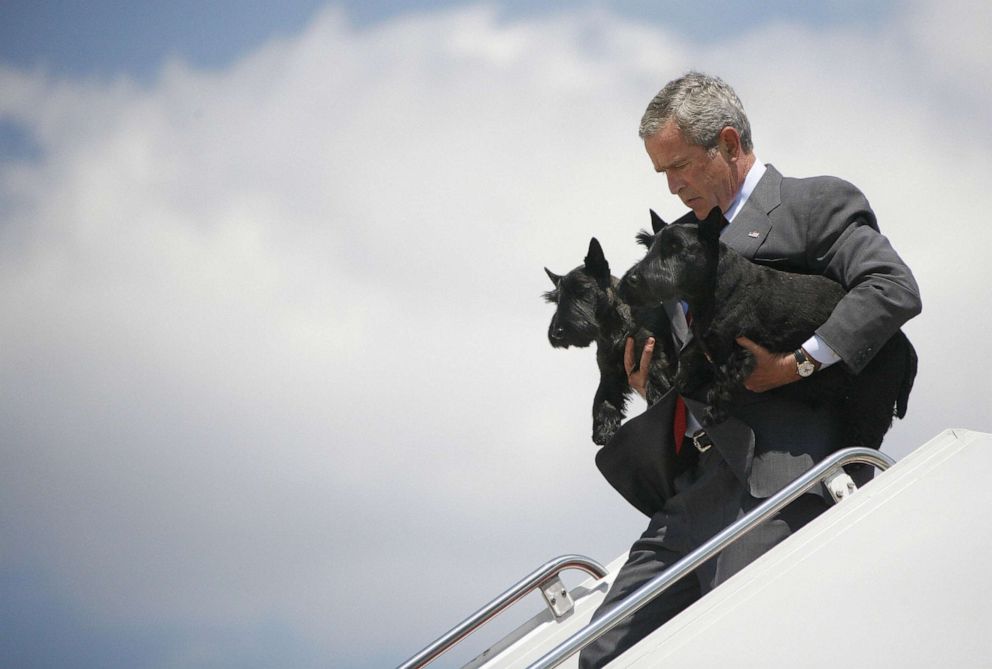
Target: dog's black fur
x,y
730,296
589,309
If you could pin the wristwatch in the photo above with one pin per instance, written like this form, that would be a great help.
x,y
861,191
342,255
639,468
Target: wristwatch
x,y
805,365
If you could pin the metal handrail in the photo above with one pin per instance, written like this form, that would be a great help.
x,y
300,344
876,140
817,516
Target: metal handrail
x,y
536,578
640,597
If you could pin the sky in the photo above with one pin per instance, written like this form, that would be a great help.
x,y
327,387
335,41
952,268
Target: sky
x,y
275,388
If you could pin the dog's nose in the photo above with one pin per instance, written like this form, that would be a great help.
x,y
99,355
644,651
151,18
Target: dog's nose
x,y
557,334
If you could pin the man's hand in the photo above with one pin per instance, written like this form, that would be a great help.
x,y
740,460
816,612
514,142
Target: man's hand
x,y
638,380
771,370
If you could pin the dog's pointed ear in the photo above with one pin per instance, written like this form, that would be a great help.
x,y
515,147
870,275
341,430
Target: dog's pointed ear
x,y
645,238
657,222
552,295
711,226
596,265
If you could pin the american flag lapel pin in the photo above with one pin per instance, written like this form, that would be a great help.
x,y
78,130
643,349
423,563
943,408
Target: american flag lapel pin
x,y
753,234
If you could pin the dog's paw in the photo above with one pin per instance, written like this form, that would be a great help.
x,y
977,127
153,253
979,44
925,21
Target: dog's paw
x,y
605,423
712,416
716,411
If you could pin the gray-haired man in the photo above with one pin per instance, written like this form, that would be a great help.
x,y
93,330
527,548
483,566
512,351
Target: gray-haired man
x,y
697,135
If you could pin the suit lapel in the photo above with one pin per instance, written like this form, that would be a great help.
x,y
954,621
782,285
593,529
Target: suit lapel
x,y
752,224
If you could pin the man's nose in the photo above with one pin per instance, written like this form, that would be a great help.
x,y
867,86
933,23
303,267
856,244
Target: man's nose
x,y
674,183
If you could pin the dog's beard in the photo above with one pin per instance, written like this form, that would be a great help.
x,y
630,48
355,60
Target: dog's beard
x,y
579,326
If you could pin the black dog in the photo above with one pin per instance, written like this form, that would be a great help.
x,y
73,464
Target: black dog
x,y
589,309
730,296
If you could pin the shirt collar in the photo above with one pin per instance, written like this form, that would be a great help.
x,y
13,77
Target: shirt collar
x,y
750,181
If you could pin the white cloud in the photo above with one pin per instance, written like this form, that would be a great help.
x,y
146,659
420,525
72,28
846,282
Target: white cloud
x,y
273,346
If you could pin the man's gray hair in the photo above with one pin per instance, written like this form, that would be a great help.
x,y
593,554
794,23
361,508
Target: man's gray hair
x,y
701,106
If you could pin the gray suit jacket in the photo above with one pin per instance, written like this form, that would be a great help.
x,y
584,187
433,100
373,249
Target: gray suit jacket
x,y
819,225
823,225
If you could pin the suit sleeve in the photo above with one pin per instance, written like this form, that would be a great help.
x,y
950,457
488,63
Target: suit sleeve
x,y
845,244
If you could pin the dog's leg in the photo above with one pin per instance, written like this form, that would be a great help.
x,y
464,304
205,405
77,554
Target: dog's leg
x,y
718,397
660,375
730,376
694,370
608,407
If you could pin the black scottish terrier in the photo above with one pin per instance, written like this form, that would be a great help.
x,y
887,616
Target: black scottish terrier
x,y
730,296
589,309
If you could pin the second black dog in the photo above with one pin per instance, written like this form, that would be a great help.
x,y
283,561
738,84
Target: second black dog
x,y
590,310
730,296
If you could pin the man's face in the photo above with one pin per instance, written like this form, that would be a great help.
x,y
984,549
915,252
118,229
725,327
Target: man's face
x,y
702,179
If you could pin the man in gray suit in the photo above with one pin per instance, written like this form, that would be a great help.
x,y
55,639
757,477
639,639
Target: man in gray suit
x,y
698,136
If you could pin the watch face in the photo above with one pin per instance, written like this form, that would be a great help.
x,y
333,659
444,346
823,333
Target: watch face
x,y
805,368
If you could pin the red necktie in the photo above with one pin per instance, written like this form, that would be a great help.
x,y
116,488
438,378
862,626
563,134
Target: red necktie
x,y
679,423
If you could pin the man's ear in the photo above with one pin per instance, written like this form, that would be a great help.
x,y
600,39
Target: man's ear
x,y
596,265
730,142
710,227
554,277
657,223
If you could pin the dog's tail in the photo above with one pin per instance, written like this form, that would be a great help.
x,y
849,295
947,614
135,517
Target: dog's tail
x,y
880,392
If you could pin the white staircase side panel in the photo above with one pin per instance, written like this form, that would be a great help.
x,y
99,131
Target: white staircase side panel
x,y
896,575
